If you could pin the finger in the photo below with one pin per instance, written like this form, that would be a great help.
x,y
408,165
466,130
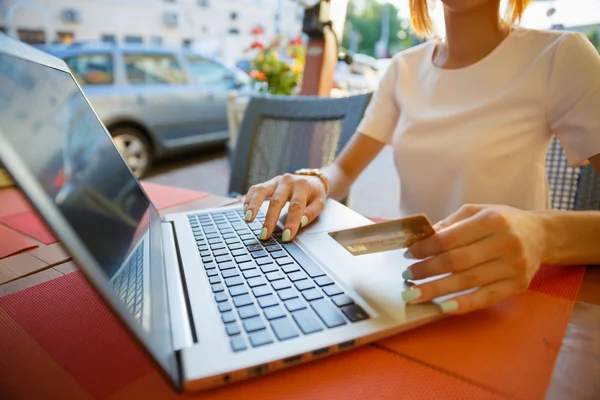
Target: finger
x,y
472,278
456,260
256,196
458,234
281,195
296,210
313,210
484,297
462,213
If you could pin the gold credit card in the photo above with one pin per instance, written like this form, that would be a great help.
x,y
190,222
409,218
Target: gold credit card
x,y
392,235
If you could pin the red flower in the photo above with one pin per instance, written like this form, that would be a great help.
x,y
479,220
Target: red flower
x,y
257,45
296,42
257,31
261,76
254,74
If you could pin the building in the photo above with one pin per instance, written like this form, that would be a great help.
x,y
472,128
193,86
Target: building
x,y
220,27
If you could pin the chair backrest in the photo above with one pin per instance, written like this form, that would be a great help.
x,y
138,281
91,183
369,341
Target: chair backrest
x,y
281,134
571,188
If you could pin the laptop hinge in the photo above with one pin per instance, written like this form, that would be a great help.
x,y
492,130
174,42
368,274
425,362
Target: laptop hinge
x,y
181,323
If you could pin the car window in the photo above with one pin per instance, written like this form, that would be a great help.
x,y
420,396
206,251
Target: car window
x,y
153,68
92,69
208,72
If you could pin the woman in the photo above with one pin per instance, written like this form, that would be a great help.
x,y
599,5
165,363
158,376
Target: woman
x,y
470,119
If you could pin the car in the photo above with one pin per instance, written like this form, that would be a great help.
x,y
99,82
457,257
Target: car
x,y
155,102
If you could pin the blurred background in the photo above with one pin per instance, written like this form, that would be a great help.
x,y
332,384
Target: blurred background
x,y
169,77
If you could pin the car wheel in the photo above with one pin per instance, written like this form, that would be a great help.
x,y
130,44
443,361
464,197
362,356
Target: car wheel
x,y
134,147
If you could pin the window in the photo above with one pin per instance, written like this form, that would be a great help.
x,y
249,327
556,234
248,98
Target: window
x,y
134,40
153,68
65,37
208,72
31,36
156,41
92,69
111,39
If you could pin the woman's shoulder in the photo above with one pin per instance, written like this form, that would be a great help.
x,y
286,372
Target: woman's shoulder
x,y
550,40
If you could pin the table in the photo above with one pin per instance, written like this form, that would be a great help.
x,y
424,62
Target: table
x,y
576,370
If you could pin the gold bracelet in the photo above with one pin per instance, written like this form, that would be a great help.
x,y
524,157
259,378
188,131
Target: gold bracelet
x,y
318,174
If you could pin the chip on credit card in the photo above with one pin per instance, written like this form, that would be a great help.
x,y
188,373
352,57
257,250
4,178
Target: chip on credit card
x,y
392,235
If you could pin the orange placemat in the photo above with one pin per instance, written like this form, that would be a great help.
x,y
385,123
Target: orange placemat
x,y
12,201
167,196
30,224
58,340
12,242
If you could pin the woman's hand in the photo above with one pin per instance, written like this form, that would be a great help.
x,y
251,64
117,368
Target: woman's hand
x,y
306,195
497,249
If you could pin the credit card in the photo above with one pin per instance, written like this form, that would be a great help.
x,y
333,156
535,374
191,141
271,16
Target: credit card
x,y
392,235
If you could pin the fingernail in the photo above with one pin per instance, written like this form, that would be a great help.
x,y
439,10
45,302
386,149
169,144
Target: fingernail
x,y
286,235
411,294
245,207
407,275
263,234
408,255
303,221
248,215
449,306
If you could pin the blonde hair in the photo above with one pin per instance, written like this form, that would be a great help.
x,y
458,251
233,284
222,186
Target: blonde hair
x,y
421,21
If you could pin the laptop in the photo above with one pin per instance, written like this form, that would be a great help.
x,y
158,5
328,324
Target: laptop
x,y
209,302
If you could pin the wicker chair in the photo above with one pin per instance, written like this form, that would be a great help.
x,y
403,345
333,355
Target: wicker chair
x,y
571,188
281,134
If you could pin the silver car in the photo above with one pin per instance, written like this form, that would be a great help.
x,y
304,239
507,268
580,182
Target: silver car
x,y
154,101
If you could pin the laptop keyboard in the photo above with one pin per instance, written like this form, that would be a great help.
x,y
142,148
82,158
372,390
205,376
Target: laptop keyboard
x,y
266,291
129,283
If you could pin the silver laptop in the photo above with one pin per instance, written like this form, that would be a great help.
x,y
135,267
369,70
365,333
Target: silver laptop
x,y
208,301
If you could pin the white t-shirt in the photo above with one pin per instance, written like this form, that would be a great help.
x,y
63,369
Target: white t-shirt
x,y
479,134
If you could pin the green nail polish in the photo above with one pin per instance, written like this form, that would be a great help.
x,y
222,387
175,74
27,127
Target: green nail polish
x,y
248,215
411,294
408,255
286,235
303,221
407,275
449,306
245,207
263,234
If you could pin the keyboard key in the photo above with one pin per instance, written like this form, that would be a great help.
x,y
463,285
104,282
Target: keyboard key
x,y
342,300
220,252
218,288
312,294
238,344
332,290
279,254
284,261
258,281
227,231
267,301
276,275
247,266
219,297
262,291
243,259
297,276
229,236
202,247
256,247
243,300
212,236
304,284
284,328
264,261
228,317
274,247
268,268
239,252
274,312
294,304
324,281
288,269
311,268
259,254
217,246
222,259
328,313
214,279
230,273
224,306
251,273
246,236
355,313
235,246
215,240
287,294
206,260
248,311
307,321
206,253
212,272
254,324
238,290
251,242
232,240
269,242
236,280
281,284
260,338
208,266
238,226
226,265
210,229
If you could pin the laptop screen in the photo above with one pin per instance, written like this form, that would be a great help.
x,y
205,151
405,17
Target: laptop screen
x,y
48,125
